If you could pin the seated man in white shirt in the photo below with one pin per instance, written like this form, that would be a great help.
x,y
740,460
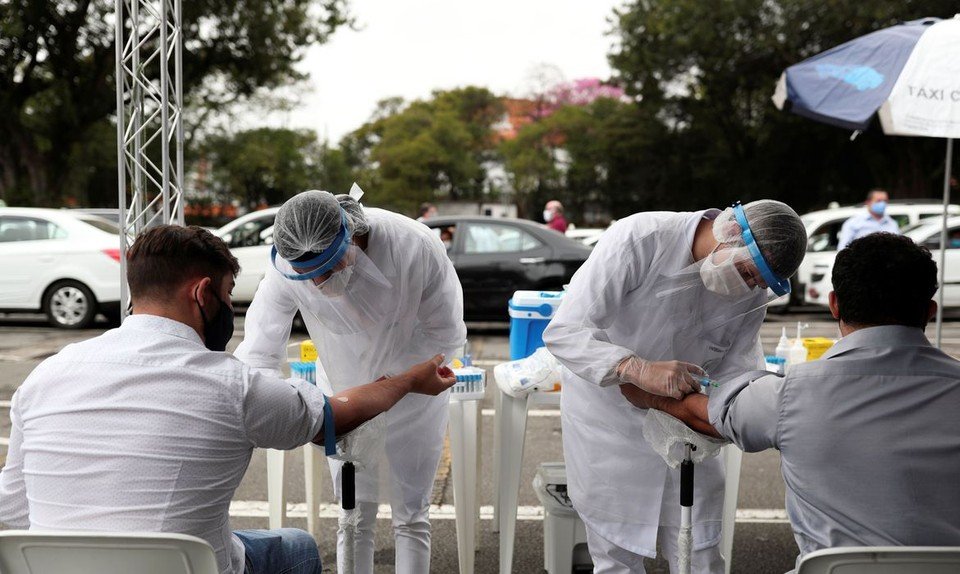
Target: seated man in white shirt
x,y
150,427
867,434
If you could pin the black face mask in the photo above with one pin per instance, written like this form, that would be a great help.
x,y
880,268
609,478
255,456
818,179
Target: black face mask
x,y
217,333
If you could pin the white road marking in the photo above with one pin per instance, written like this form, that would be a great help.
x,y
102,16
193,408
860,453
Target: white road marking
x,y
260,509
530,413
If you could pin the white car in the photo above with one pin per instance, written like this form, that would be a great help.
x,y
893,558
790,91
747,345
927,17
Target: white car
x,y
250,238
823,235
926,233
61,263
585,235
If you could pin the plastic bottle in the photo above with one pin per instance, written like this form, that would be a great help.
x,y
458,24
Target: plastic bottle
x,y
798,353
783,347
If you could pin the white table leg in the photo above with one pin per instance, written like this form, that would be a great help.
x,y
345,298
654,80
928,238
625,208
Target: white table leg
x,y
732,457
276,493
497,408
513,426
478,469
311,475
463,450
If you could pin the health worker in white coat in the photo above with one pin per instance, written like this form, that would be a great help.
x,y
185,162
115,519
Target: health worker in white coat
x,y
664,300
377,293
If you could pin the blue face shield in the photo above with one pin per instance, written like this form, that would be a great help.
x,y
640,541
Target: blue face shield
x,y
325,261
776,284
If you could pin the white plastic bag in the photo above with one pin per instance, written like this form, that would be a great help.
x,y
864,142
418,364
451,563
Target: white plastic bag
x,y
668,435
363,445
539,371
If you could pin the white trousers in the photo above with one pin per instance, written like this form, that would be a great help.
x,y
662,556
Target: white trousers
x,y
411,538
608,558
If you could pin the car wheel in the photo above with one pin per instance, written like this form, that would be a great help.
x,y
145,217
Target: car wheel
x,y
69,305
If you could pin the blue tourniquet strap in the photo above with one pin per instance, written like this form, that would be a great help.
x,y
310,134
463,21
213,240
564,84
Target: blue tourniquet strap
x,y
329,430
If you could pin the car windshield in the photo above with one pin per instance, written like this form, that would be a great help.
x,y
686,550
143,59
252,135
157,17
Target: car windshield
x,y
101,224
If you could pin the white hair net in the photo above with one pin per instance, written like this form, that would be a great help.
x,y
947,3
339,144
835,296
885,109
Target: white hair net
x,y
776,228
308,222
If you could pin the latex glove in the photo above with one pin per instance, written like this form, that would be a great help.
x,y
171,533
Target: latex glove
x,y
664,378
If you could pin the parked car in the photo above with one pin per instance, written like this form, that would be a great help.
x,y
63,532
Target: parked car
x,y
926,233
496,256
61,263
823,236
249,238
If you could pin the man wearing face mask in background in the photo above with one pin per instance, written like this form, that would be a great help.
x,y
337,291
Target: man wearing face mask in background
x,y
376,291
873,221
663,300
553,216
151,426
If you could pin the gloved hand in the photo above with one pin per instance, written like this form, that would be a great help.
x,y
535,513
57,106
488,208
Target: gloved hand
x,y
666,378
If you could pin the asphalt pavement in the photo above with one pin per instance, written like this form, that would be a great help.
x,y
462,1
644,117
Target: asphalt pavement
x,y
763,542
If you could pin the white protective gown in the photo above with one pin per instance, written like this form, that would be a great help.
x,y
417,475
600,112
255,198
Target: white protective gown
x,y
419,314
628,299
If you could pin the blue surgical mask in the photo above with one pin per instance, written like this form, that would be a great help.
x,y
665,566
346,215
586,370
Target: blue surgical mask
x,y
878,207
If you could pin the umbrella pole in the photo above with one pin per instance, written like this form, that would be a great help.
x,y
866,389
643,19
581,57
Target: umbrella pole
x,y
685,539
943,239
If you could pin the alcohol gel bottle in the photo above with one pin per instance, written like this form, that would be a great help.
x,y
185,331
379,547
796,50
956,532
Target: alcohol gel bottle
x,y
783,347
798,353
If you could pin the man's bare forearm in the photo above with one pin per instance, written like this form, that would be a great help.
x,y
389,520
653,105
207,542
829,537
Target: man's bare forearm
x,y
357,405
691,409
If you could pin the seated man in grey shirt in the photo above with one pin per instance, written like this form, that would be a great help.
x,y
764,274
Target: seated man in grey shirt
x,y
150,427
868,438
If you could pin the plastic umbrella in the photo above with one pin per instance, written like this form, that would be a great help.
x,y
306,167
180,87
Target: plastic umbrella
x,y
908,75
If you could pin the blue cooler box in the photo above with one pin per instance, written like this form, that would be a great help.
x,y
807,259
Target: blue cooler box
x,y
530,312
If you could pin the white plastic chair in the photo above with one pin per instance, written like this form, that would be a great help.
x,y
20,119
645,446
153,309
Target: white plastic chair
x,y
882,560
30,552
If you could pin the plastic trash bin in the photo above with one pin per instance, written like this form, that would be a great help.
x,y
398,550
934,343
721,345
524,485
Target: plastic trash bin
x,y
564,534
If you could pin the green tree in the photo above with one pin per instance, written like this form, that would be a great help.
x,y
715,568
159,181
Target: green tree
x,y
707,71
426,150
57,89
263,166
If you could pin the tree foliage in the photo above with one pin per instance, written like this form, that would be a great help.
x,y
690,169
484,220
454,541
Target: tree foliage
x,y
427,149
57,89
707,70
263,166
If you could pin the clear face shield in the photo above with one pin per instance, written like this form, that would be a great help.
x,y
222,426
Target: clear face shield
x,y
735,271
341,288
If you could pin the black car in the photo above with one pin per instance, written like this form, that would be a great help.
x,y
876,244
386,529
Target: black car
x,y
496,256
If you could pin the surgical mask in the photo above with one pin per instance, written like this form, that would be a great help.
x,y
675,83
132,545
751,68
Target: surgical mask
x,y
878,207
448,245
218,331
723,278
336,284
547,216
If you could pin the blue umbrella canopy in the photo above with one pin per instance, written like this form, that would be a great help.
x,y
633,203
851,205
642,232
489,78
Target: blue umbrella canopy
x,y
846,85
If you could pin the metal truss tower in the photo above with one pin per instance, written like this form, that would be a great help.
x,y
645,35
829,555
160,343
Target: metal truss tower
x,y
149,71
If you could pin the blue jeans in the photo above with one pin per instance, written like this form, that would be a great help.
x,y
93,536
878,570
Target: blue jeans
x,y
281,551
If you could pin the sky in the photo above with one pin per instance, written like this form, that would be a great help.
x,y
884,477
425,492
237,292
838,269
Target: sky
x,y
409,48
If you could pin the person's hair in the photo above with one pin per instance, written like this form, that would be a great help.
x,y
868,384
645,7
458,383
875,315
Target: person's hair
x,y
166,256
875,191
425,207
884,279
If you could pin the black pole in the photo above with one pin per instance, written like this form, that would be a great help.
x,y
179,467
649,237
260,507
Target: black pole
x,y
348,489
686,483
